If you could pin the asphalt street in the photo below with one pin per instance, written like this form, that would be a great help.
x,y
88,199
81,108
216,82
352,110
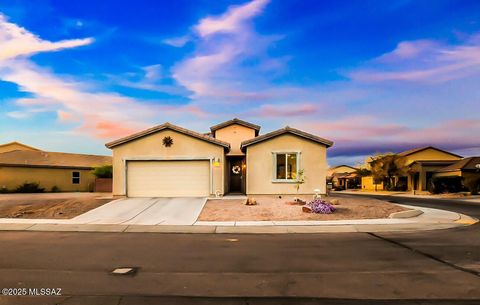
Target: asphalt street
x,y
428,267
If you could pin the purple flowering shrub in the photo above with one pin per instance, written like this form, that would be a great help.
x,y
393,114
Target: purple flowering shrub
x,y
320,206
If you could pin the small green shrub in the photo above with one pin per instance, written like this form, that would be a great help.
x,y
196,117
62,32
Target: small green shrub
x,y
55,189
105,171
29,187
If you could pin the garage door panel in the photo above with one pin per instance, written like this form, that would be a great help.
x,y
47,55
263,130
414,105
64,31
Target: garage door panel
x,y
168,178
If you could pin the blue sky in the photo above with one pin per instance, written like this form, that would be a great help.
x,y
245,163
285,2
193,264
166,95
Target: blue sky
x,y
373,76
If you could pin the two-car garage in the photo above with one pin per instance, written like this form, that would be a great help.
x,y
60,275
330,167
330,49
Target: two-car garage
x,y
168,178
168,161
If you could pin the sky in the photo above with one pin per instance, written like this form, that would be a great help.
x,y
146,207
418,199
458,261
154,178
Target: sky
x,y
372,76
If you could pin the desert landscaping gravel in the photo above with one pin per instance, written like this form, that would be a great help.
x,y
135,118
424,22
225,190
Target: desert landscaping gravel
x,y
271,208
49,205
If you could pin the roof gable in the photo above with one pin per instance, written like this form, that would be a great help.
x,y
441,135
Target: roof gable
x,y
238,122
419,149
165,126
340,166
16,146
467,164
286,130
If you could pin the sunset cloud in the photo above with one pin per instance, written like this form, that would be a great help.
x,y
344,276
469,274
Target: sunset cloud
x,y
100,114
221,66
423,61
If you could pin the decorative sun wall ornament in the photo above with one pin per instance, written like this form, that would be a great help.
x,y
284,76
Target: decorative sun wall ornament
x,y
167,141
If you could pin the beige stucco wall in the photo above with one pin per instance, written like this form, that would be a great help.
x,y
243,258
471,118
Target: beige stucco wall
x,y
151,147
313,161
429,154
235,134
368,185
12,177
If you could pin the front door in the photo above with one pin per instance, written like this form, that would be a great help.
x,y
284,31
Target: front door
x,y
236,175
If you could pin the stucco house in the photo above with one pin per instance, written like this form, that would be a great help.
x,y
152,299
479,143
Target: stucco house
x,y
20,163
465,171
421,163
343,177
233,158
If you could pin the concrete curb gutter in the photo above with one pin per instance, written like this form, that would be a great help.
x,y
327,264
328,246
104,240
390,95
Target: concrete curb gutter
x,y
406,214
418,219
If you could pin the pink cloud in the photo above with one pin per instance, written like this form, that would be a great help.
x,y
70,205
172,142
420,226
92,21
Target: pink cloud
x,y
65,116
423,60
286,110
365,135
106,129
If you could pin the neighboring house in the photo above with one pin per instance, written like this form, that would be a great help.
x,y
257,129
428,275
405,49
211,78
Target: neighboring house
x,y
466,171
421,165
68,172
343,177
169,161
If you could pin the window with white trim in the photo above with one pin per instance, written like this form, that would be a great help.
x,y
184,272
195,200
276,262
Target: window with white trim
x,y
75,177
286,166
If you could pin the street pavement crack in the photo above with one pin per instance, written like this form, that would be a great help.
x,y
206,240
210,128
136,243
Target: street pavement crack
x,y
427,255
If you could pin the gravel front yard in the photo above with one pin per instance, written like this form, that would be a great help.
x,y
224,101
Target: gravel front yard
x,y
269,208
49,205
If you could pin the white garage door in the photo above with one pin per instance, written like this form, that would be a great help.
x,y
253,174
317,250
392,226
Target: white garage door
x,y
168,178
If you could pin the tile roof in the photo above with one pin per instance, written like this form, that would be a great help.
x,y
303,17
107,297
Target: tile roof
x,y
471,163
236,121
331,168
418,149
285,130
32,158
20,144
163,127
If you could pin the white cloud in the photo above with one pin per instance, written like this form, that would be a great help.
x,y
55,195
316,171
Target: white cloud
x,y
18,114
16,41
177,42
426,61
101,114
232,21
230,61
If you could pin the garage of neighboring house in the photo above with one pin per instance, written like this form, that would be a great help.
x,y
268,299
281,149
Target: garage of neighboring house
x,y
168,161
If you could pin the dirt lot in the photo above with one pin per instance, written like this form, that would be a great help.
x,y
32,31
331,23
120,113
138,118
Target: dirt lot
x,y
279,209
52,205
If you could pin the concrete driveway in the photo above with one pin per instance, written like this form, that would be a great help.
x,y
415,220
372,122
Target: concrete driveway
x,y
145,211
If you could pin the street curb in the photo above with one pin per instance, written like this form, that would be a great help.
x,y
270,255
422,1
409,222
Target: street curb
x,y
431,219
406,214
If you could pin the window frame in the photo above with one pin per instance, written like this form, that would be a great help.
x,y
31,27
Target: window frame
x,y
73,177
274,169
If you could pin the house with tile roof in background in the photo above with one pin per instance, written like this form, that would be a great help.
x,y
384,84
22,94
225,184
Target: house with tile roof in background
x,y
65,172
422,164
343,177
463,173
